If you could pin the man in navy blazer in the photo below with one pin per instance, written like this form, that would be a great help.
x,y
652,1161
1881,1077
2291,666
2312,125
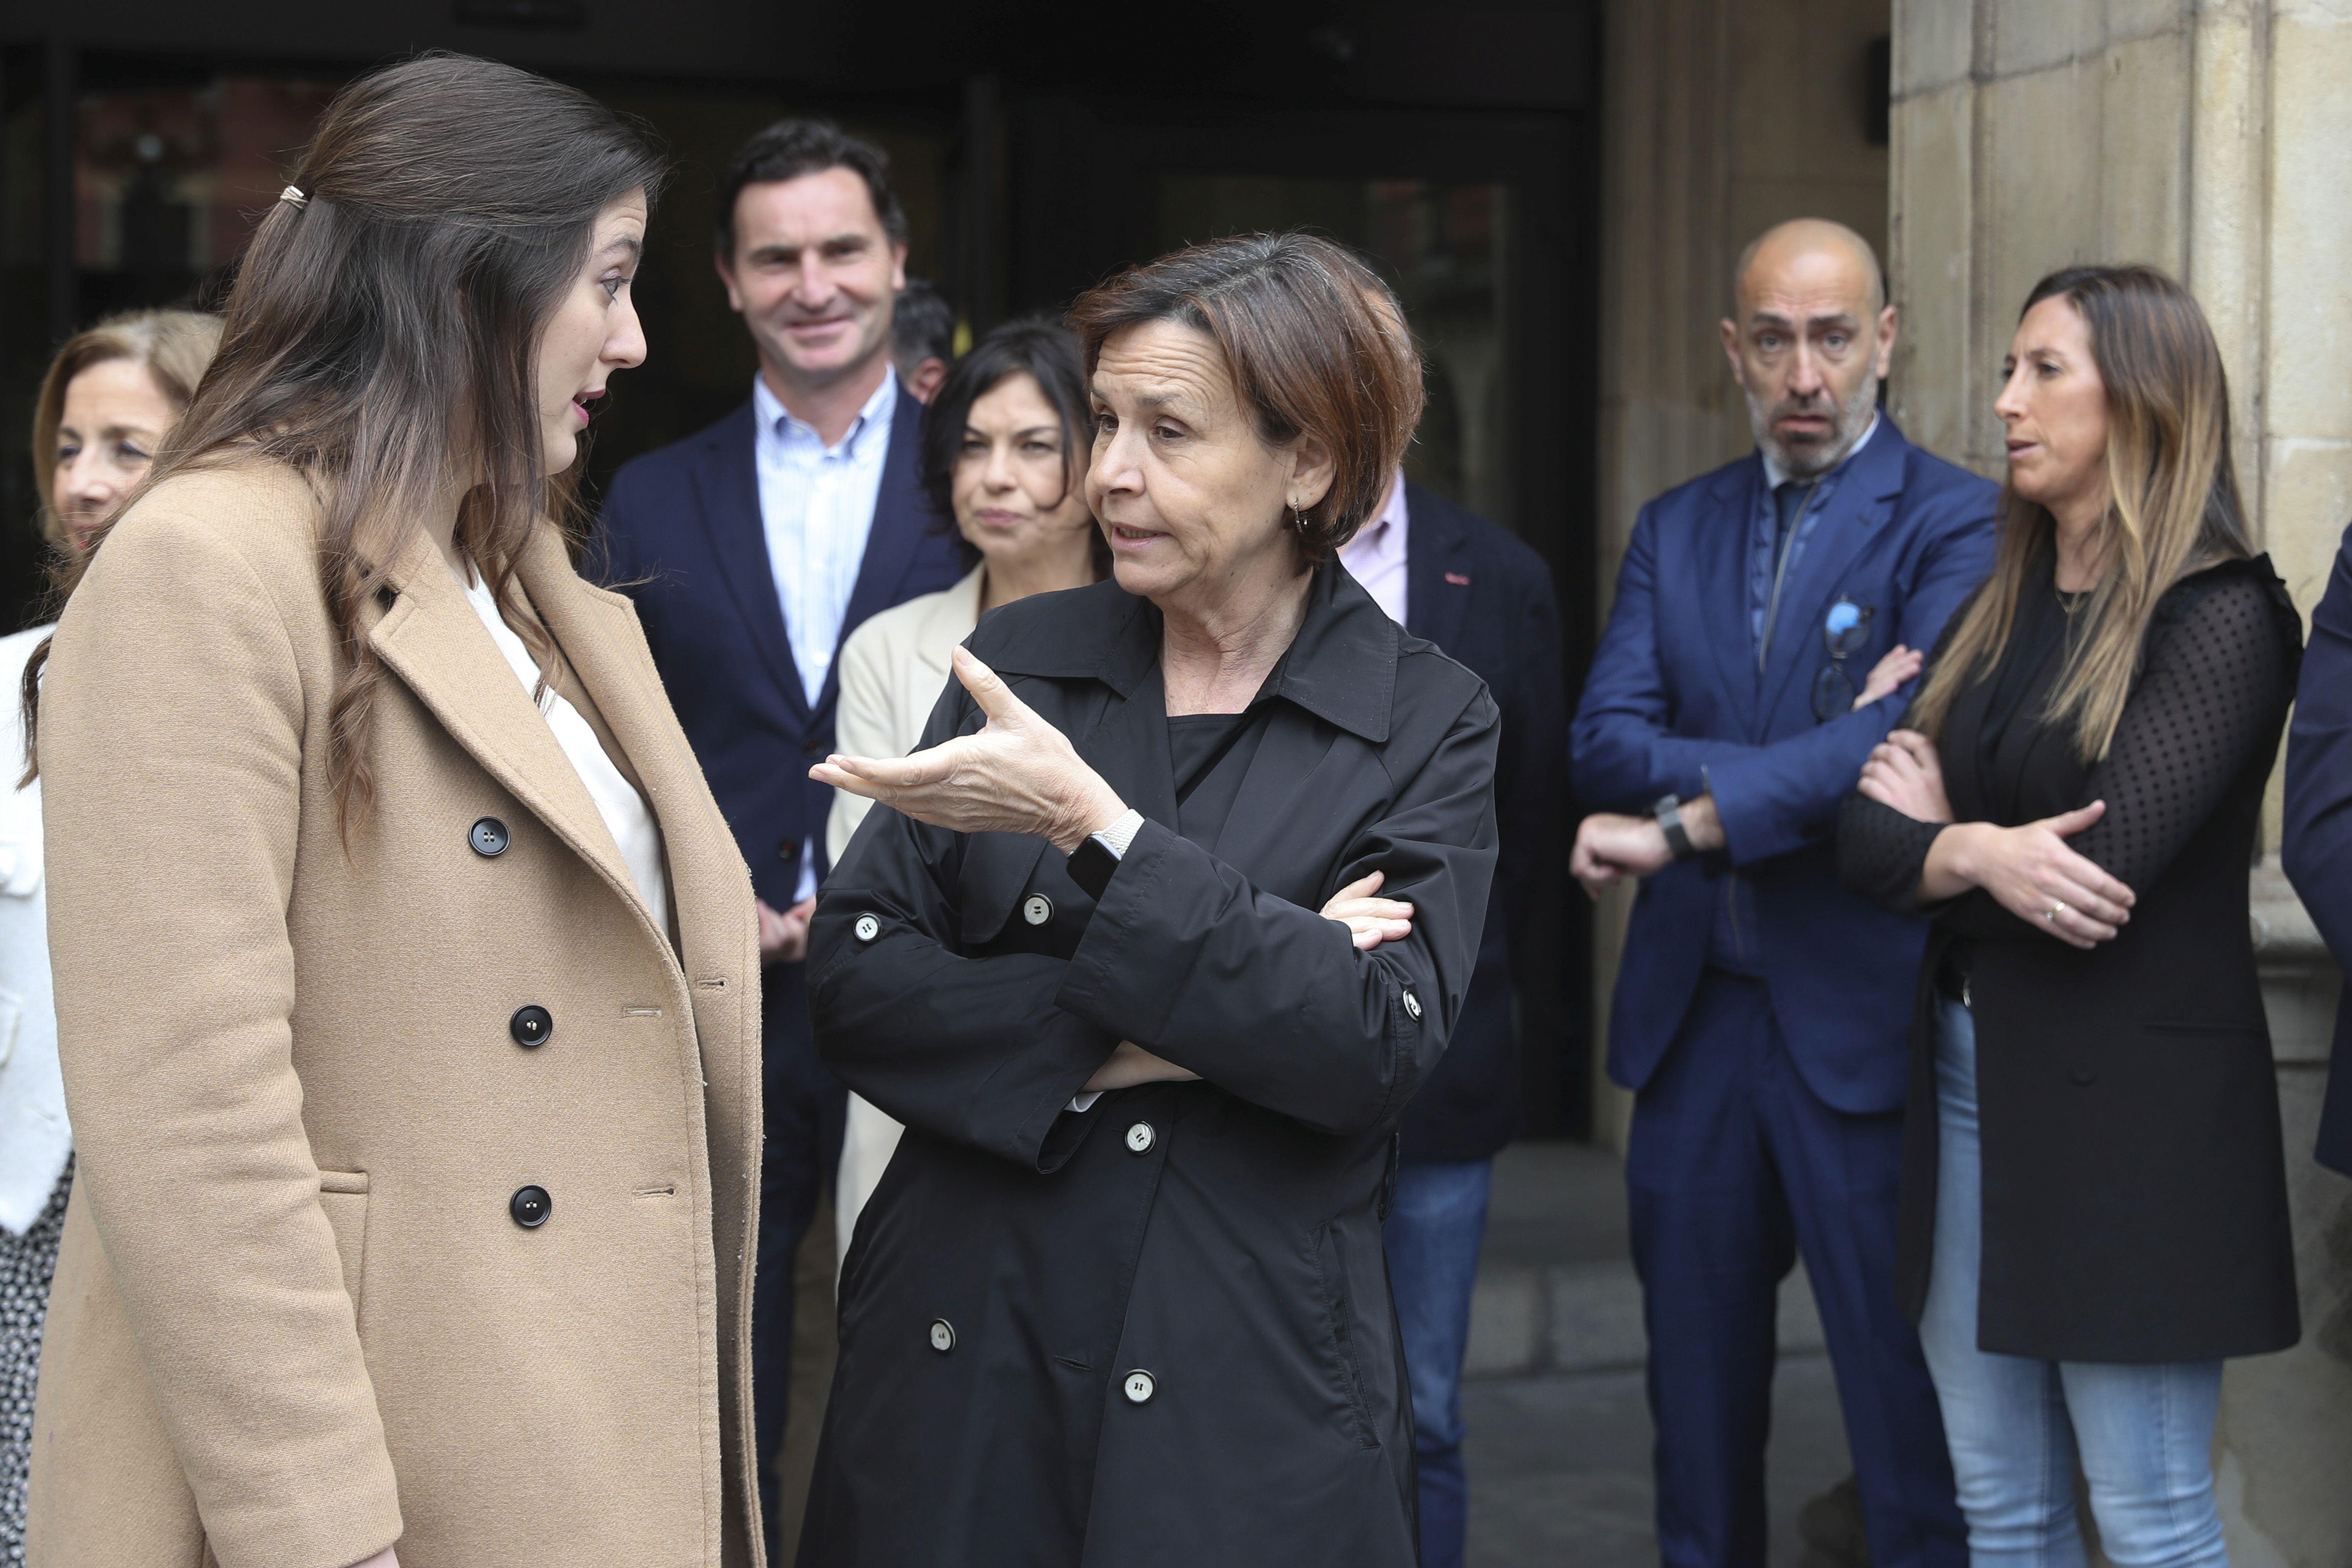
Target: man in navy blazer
x,y
1484,596
1761,1012
2317,847
753,550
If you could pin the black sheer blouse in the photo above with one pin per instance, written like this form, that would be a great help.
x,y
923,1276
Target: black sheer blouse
x,y
2135,1205
2216,676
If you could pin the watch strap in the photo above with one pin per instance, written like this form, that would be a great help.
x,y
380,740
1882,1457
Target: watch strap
x,y
1669,813
1120,834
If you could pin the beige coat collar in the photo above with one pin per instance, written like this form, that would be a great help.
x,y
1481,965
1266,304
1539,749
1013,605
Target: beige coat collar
x,y
433,640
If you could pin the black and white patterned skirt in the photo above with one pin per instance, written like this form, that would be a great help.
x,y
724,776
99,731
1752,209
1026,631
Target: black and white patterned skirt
x,y
26,1264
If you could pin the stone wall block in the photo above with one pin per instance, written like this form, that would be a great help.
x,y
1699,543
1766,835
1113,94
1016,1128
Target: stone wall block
x,y
2309,484
2038,188
2230,177
1934,45
2309,378
2128,20
2032,34
2144,104
1772,133
1930,230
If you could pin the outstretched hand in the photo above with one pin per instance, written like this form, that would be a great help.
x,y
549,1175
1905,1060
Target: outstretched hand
x,y
1015,774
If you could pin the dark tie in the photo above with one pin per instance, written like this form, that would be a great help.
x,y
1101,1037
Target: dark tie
x,y
1789,497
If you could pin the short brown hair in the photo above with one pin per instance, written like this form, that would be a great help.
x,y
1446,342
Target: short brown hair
x,y
173,346
1308,351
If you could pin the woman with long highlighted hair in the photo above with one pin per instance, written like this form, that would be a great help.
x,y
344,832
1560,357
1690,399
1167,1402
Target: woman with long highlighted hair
x,y
2095,1197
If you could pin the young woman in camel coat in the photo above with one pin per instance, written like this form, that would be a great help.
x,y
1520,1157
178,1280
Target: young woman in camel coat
x,y
405,971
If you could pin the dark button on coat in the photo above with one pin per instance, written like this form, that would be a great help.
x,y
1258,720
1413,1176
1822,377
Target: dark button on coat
x,y
1230,1270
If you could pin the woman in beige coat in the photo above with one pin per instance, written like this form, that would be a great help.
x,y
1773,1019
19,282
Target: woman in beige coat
x,y
405,968
1004,457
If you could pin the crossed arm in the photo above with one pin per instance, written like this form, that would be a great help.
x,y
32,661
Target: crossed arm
x,y
1753,801
1334,1031
2207,703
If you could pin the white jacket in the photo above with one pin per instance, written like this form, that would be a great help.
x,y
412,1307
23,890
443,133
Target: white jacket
x,y
34,1138
893,669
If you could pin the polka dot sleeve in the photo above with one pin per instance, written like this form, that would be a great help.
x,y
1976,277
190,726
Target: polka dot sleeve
x,y
1881,852
2220,671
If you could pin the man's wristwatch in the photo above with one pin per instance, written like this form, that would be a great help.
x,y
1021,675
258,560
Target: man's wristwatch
x,y
1669,813
1090,865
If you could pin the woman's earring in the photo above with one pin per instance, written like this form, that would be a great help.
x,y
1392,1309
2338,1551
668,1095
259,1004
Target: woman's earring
x,y
1298,519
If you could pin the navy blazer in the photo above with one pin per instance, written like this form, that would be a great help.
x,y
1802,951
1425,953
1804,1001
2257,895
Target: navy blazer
x,y
2317,848
1674,705
682,535
1485,597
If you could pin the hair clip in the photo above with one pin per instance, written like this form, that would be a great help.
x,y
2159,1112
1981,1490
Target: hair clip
x,y
291,193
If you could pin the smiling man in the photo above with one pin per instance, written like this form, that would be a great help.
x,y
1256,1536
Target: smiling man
x,y
753,550
1756,652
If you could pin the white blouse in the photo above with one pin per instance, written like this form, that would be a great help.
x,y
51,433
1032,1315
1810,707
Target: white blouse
x,y
627,815
35,1139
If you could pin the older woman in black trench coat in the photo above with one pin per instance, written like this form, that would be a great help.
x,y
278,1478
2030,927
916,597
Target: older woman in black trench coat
x,y
2093,1193
1174,915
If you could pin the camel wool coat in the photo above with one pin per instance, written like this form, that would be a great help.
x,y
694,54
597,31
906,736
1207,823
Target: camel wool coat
x,y
306,1306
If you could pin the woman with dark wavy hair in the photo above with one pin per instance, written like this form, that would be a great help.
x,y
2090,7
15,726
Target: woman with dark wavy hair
x,y
1003,461
2093,1193
406,975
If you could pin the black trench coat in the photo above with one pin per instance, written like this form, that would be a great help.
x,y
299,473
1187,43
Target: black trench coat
x,y
1158,1331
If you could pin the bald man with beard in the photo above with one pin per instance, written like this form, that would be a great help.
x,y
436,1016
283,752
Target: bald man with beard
x,y
1766,634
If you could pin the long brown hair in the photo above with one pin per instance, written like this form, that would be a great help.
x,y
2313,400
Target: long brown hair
x,y
382,336
172,346
2173,507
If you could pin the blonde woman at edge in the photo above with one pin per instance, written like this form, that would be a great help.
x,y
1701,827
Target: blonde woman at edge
x,y
407,984
112,394
1004,453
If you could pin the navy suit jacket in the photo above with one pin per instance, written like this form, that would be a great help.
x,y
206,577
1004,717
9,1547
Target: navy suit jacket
x,y
1674,705
683,536
2317,850
1484,596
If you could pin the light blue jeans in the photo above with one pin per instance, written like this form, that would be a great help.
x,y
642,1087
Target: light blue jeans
x,y
2017,1427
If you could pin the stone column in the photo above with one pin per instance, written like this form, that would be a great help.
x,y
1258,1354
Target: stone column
x,y
2212,138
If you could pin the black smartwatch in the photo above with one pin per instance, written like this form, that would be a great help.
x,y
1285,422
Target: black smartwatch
x,y
1669,813
1091,864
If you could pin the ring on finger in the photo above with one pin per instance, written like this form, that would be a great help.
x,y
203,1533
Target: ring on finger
x,y
2054,911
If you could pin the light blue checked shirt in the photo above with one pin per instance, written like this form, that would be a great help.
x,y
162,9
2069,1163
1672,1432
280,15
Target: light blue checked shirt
x,y
816,504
